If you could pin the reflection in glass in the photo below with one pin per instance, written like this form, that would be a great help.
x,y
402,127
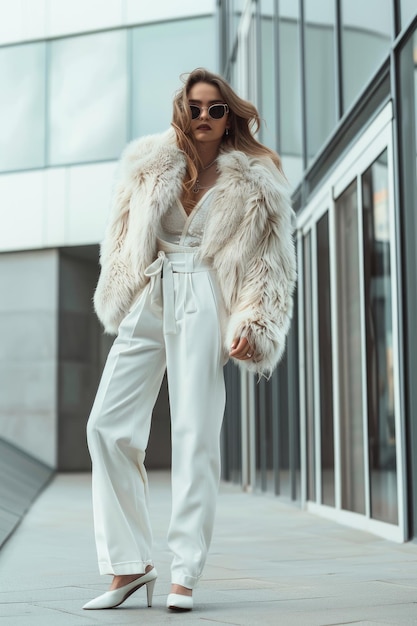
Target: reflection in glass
x,y
265,412
284,430
408,11
350,342
277,428
22,106
325,361
379,348
268,73
289,76
88,97
366,38
161,53
231,439
320,72
309,368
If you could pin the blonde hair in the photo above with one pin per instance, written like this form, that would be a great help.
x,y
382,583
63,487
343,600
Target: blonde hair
x,y
244,121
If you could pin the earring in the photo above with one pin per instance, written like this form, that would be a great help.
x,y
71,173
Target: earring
x,y
227,132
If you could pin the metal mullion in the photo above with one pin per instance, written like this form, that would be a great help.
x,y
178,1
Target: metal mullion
x,y
222,28
258,55
363,346
398,346
394,147
303,90
335,352
275,433
316,366
276,50
291,413
244,425
252,431
262,447
338,31
47,68
129,94
302,368
396,18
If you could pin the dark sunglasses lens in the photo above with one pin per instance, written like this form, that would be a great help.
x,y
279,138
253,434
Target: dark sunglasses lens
x,y
195,111
216,111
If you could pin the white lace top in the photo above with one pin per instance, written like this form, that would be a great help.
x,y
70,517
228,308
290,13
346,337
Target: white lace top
x,y
184,230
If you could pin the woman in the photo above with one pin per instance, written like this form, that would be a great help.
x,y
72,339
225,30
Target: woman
x,y
197,266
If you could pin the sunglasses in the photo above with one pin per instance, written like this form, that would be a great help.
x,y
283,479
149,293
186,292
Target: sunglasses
x,y
215,111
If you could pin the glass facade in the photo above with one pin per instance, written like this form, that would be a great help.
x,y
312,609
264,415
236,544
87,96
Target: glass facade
x,y
408,11
269,70
290,136
79,99
154,84
407,72
309,388
366,37
322,76
22,106
325,362
319,72
350,343
88,98
379,341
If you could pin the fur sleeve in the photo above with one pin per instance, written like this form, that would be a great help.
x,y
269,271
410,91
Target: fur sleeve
x,y
264,305
115,287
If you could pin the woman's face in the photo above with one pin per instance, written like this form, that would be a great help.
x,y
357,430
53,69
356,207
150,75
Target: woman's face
x,y
204,128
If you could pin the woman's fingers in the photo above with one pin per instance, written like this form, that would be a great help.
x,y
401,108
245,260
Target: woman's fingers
x,y
240,349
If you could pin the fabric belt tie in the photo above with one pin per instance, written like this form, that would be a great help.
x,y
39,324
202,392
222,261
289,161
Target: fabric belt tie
x,y
164,267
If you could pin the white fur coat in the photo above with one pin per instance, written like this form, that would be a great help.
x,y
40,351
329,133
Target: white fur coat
x,y
248,236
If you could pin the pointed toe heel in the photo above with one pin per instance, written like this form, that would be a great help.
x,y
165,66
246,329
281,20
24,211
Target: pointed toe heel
x,y
115,597
178,602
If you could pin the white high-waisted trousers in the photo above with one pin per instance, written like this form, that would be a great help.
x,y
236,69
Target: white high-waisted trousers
x,y
175,324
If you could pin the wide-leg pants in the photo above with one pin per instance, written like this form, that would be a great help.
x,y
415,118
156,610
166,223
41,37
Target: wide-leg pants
x,y
174,325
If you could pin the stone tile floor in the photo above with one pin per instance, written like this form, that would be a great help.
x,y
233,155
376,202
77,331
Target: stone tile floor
x,y
270,563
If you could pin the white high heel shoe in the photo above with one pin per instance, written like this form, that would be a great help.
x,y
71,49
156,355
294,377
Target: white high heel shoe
x,y
178,602
115,597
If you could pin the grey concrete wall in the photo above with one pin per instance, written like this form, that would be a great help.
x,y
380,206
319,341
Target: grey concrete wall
x,y
80,353
52,352
28,351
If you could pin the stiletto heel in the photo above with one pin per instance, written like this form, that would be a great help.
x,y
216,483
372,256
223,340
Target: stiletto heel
x,y
149,591
115,597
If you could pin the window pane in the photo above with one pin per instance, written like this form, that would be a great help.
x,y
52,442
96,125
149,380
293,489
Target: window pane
x,y
289,75
161,53
88,97
325,361
381,407
366,37
22,106
350,350
268,90
309,368
264,437
232,427
284,424
408,11
320,72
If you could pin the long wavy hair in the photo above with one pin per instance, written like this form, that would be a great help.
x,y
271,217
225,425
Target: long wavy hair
x,y
244,122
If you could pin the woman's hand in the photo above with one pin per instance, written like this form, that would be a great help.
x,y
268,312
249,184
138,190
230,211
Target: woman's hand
x,y
240,349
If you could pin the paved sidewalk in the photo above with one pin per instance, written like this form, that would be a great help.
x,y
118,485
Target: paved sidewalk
x,y
269,564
